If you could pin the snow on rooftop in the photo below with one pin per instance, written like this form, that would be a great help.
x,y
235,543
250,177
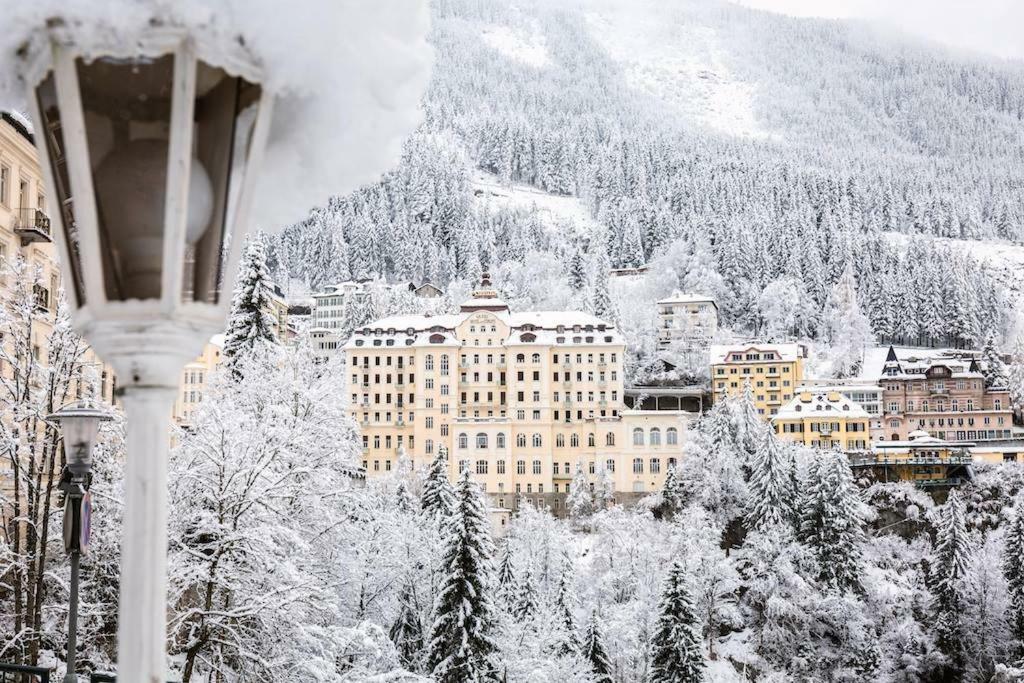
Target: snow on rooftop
x,y
787,352
680,298
518,45
348,77
823,404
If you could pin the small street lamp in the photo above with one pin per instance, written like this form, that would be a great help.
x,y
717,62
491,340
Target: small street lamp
x,y
79,426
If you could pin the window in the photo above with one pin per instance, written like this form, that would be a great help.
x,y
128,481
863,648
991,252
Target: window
x,y
520,467
429,445
537,442
444,366
463,441
655,436
481,467
560,441
5,184
481,440
501,467
429,362
609,465
638,436
501,439
535,358
536,466
521,440
574,440
638,465
609,439
429,422
671,436
592,440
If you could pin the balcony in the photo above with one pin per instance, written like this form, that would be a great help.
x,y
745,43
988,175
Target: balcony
x,y
32,225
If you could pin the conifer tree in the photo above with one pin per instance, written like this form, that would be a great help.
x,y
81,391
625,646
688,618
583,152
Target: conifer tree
x,y
950,562
579,501
994,369
438,496
462,647
526,605
772,485
403,499
506,580
593,650
1013,570
250,323
830,520
407,630
676,651
673,493
565,603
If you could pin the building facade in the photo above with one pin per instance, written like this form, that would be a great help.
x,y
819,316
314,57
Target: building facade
x,y
686,318
774,372
824,419
517,398
867,396
943,395
922,459
194,379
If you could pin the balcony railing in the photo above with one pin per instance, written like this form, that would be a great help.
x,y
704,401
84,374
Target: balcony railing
x,y
19,673
32,225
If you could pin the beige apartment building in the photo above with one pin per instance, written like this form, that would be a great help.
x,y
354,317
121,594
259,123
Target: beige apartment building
x,y
774,372
686,318
194,379
824,419
517,398
944,395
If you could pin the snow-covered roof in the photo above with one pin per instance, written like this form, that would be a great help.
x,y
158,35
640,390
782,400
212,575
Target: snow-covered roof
x,y
719,353
823,404
680,298
347,76
914,363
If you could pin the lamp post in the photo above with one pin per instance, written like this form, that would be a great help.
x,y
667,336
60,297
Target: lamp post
x,y
150,150
79,425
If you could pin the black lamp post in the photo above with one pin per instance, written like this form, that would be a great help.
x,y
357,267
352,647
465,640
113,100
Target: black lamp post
x,y
79,425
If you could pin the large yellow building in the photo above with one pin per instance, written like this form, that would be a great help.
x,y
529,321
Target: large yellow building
x,y
824,419
518,398
773,370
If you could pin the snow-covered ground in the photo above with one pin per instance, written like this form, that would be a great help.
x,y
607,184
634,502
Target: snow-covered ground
x,y
528,48
677,62
557,211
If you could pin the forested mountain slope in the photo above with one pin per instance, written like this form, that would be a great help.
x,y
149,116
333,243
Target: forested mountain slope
x,y
729,148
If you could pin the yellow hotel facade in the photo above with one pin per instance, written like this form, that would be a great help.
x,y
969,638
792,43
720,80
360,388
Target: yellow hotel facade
x,y
773,370
824,419
517,398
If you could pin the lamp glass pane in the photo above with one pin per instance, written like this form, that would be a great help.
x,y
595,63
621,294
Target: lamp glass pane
x,y
52,131
127,108
225,113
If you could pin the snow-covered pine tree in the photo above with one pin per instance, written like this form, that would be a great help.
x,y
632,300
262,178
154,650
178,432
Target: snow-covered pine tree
x,y
527,602
994,369
438,497
830,520
676,650
462,647
1013,570
250,323
593,650
951,558
1015,378
407,630
506,579
849,329
579,501
673,492
403,499
565,604
601,303
772,485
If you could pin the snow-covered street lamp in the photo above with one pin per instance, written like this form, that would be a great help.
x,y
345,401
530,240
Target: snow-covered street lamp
x,y
153,123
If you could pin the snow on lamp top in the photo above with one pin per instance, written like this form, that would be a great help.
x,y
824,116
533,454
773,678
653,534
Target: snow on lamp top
x,y
347,76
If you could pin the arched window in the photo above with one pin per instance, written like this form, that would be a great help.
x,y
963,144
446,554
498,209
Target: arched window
x,y
638,465
501,439
560,441
521,440
638,436
671,436
536,466
655,436
520,358
609,465
609,439
591,440
535,358
537,442
428,363
463,441
481,467
444,363
481,440
574,440
655,466
520,467
672,463
429,446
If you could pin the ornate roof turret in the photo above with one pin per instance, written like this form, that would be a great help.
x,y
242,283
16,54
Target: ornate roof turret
x,y
485,298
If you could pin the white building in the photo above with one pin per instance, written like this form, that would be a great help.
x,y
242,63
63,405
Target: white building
x,y
686,317
867,396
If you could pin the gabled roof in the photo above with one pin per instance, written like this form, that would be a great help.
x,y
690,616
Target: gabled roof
x,y
820,405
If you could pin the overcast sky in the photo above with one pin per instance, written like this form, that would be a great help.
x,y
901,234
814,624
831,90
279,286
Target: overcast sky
x,y
995,27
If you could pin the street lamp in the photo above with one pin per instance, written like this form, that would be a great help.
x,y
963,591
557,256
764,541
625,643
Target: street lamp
x,y
79,425
151,153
